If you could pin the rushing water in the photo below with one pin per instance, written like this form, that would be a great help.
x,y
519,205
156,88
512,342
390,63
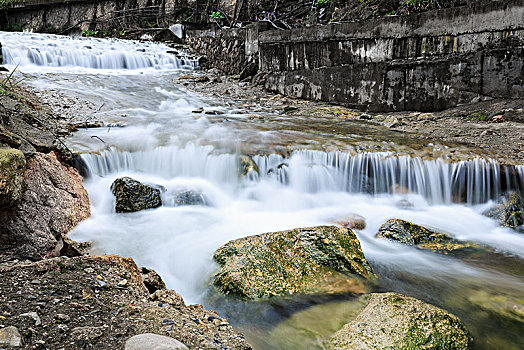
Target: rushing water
x,y
165,144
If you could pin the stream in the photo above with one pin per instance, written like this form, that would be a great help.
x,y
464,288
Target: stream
x,y
153,135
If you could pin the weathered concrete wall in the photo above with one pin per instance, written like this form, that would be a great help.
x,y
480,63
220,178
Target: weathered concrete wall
x,y
57,15
429,61
229,50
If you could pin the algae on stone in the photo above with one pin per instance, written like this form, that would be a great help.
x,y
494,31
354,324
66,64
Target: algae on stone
x,y
395,321
423,238
315,260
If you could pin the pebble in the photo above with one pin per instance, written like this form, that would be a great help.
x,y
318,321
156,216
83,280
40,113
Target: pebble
x,y
101,284
152,341
34,316
167,321
122,283
89,270
10,336
62,317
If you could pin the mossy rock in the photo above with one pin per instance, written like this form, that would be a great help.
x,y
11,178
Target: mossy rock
x,y
314,260
423,238
132,195
510,212
395,321
12,167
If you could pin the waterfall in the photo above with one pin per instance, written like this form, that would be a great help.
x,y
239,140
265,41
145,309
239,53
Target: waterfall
x,y
473,181
27,49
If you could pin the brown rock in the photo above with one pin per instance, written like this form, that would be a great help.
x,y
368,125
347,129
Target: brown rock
x,y
152,280
53,202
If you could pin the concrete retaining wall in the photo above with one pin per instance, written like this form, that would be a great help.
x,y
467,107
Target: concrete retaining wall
x,y
430,61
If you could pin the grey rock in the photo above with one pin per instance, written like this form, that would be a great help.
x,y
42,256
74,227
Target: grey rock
x,y
132,195
150,341
10,336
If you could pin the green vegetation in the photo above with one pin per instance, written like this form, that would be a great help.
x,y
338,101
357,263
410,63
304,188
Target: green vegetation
x,y
216,15
88,33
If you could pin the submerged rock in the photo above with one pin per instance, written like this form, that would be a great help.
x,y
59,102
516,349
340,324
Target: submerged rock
x,y
246,165
315,260
132,195
189,197
353,221
12,167
510,212
395,321
507,306
423,238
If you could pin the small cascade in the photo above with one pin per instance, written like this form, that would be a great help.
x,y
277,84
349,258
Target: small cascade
x,y
473,181
26,49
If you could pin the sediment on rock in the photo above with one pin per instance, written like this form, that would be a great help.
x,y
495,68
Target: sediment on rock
x,y
315,260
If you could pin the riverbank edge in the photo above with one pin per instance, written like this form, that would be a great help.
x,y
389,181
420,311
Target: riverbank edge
x,y
29,128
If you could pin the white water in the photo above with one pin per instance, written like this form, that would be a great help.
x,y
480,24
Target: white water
x,y
36,51
165,144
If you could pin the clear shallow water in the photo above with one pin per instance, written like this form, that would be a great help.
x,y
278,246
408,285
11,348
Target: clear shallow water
x,y
165,143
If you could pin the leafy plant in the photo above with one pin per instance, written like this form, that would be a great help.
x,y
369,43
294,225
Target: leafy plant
x,y
323,2
89,32
216,15
8,84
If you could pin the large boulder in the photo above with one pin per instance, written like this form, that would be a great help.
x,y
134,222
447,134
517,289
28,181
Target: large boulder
x,y
132,195
423,238
314,260
395,321
12,167
510,212
53,202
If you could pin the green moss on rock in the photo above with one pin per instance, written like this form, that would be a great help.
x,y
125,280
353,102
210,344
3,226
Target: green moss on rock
x,y
395,321
315,260
423,238
12,167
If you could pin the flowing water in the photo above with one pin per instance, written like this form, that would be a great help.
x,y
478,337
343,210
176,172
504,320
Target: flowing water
x,y
164,143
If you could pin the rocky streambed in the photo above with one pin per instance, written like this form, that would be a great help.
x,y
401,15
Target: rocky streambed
x,y
303,224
